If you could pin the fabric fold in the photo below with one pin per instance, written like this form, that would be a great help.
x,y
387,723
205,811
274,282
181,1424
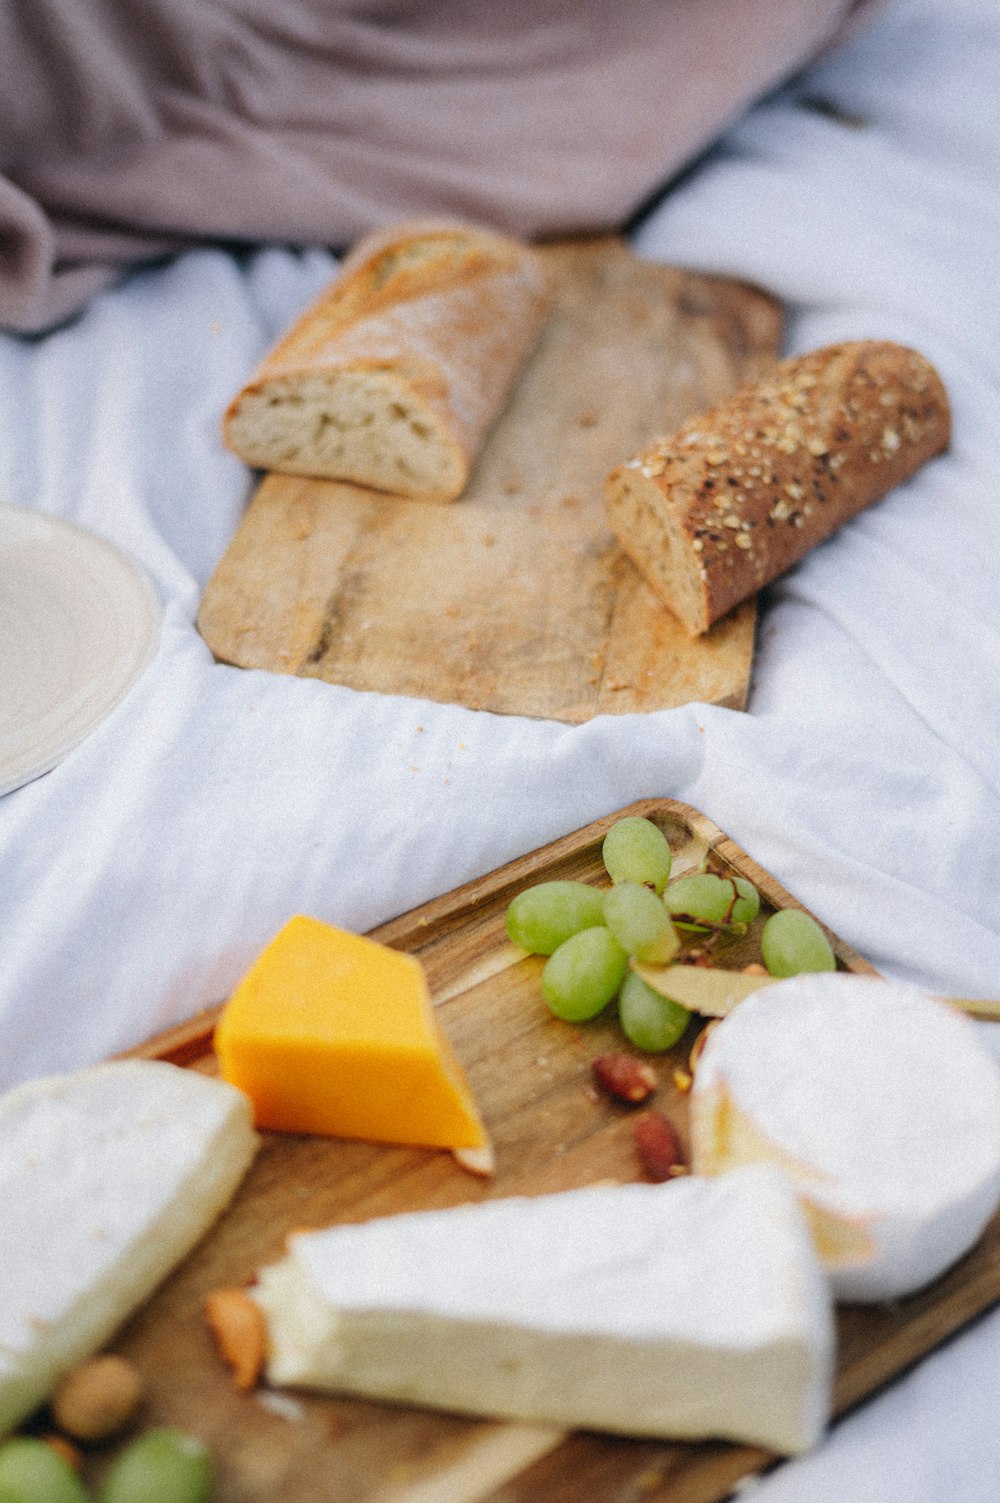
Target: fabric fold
x,y
138,127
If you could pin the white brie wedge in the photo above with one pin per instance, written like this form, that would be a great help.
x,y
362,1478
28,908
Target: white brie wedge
x,y
880,1104
107,1178
691,1309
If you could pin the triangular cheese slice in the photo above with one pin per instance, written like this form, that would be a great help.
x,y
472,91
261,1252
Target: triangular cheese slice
x,y
332,1033
686,1310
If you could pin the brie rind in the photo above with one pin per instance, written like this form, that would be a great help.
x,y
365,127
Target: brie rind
x,y
108,1176
881,1105
690,1309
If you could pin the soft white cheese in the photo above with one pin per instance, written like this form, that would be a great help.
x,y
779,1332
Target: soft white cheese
x,y
880,1104
691,1309
107,1178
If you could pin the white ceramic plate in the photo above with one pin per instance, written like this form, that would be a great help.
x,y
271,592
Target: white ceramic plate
x,y
79,622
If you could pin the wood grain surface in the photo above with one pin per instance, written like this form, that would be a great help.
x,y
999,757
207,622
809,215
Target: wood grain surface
x,y
552,1131
515,598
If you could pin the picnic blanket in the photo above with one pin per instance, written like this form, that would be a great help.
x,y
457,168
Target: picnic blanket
x,y
142,875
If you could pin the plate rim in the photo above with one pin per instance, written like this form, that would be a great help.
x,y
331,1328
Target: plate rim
x,y
33,525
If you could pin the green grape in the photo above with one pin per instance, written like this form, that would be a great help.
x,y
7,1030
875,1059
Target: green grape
x,y
701,898
640,923
636,850
541,918
651,1022
747,905
792,942
582,976
162,1466
32,1472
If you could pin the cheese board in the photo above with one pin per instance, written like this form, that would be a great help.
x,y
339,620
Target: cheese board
x,y
516,598
531,1074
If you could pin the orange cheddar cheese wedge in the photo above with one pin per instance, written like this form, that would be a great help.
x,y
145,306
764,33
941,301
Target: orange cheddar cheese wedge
x,y
332,1033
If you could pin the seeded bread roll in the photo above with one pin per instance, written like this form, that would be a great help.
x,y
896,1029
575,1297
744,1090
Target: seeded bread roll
x,y
740,493
394,376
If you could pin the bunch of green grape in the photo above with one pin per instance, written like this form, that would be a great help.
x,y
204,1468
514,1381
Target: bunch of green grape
x,y
161,1466
589,934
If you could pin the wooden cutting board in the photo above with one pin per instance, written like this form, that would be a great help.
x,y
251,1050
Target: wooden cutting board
x,y
515,598
552,1131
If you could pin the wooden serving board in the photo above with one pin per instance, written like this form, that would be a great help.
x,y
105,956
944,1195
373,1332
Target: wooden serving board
x,y
515,598
552,1131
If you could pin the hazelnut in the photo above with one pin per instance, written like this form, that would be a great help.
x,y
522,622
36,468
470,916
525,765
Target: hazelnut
x,y
97,1398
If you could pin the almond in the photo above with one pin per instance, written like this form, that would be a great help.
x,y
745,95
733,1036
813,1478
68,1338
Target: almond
x,y
659,1147
237,1323
624,1077
65,1448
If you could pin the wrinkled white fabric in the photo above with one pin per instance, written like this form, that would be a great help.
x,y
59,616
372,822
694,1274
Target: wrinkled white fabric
x,y
141,876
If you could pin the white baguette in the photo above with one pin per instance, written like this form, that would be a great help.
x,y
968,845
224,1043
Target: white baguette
x,y
739,494
393,377
110,1176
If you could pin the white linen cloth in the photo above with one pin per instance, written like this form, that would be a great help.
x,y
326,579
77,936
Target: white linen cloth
x,y
142,875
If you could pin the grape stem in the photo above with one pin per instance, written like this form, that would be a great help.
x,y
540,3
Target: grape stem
x,y
700,926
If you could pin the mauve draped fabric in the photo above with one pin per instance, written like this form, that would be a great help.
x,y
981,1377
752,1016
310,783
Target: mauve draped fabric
x,y
133,128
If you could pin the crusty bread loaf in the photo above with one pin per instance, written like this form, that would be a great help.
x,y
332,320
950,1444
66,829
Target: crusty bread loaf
x,y
394,376
740,493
